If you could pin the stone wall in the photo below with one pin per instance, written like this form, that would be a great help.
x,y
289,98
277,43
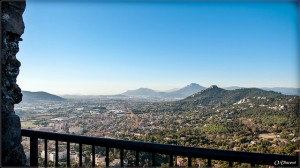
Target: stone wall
x,y
12,27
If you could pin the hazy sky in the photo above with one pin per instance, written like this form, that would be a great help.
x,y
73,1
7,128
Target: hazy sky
x,y
108,48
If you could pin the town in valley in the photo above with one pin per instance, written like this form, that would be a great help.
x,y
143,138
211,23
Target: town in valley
x,y
263,124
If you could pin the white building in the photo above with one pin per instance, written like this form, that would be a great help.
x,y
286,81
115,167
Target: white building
x,y
74,156
75,130
27,154
116,162
51,155
99,160
77,159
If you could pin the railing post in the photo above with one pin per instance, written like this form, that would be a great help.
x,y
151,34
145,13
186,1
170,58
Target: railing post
x,y
93,156
68,154
56,153
153,159
209,162
230,163
33,152
137,158
80,154
171,164
189,161
46,152
107,156
121,157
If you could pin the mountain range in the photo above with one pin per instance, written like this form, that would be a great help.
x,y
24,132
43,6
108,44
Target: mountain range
x,y
284,90
194,88
176,94
187,92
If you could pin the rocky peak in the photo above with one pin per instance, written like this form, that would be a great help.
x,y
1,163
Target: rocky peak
x,y
193,84
213,87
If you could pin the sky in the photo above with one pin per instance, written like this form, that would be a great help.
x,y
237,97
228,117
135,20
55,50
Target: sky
x,y
103,48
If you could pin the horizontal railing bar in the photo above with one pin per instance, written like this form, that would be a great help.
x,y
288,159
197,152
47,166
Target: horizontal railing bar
x,y
216,154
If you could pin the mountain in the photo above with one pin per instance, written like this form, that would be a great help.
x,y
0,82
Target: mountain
x,y
216,97
144,92
39,96
284,90
176,94
187,90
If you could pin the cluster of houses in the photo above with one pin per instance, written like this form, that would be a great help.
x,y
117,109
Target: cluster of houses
x,y
74,157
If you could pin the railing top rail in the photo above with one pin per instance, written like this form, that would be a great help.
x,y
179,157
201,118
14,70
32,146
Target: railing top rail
x,y
236,156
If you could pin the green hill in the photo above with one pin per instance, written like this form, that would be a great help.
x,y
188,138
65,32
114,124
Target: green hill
x,y
39,96
216,97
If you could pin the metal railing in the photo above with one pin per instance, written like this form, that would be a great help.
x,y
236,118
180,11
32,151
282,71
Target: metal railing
x,y
254,159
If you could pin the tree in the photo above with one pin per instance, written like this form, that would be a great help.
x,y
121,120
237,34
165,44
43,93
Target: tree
x,y
289,149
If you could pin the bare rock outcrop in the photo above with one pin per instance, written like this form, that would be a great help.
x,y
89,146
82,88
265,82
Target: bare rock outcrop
x,y
12,27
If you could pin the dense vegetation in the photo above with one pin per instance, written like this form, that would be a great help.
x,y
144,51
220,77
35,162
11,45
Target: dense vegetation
x,y
263,121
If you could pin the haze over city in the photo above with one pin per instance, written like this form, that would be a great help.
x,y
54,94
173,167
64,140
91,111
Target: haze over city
x,y
108,48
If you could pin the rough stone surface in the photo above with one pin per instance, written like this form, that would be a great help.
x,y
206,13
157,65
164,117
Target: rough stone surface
x,y
12,17
11,31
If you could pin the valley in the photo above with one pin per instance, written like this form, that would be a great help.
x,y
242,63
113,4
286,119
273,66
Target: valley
x,y
250,120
